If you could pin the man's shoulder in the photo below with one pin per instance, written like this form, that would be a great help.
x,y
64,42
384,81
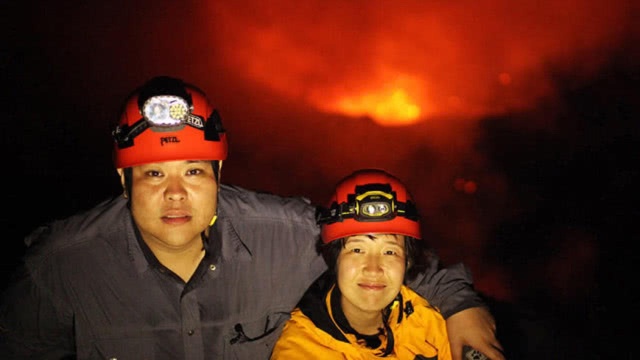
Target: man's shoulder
x,y
236,200
65,232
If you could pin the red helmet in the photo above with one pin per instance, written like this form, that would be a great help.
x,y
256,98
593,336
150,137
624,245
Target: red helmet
x,y
166,119
369,201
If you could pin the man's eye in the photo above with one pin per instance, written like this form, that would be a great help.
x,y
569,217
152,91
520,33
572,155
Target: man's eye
x,y
194,172
153,173
356,250
390,252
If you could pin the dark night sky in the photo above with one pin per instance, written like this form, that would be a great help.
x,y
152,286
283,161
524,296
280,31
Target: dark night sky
x,y
537,106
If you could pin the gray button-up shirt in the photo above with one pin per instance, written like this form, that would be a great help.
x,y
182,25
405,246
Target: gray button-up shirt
x,y
91,289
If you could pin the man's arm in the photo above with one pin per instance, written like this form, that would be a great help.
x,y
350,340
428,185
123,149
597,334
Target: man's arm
x,y
469,321
30,325
33,323
474,327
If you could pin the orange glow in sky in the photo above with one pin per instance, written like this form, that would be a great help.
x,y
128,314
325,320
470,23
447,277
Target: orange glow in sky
x,y
396,108
424,60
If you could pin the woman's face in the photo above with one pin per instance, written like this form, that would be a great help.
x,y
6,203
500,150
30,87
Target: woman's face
x,y
370,271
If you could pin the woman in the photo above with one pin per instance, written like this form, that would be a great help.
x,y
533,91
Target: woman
x,y
361,309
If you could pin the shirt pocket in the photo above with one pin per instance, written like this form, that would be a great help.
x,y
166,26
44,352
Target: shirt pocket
x,y
254,339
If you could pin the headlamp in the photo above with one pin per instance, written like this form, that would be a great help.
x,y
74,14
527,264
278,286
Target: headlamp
x,y
374,206
163,112
373,202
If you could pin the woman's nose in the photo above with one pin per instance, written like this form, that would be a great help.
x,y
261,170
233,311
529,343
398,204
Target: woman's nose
x,y
372,264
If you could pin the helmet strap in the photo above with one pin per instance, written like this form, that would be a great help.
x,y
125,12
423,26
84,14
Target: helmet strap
x,y
217,168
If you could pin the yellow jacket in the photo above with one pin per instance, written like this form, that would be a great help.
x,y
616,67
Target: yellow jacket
x,y
415,331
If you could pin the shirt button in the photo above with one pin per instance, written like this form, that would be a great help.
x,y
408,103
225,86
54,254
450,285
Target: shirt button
x,y
190,332
212,267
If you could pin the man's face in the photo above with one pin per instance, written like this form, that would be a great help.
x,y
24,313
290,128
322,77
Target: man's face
x,y
370,271
173,202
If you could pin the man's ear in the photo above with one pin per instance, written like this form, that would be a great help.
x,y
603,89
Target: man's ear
x,y
125,194
121,175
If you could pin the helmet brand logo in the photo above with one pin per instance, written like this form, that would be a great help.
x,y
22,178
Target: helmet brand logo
x,y
169,139
195,121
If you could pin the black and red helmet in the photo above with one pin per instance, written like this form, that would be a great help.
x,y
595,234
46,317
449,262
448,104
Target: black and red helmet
x,y
369,201
164,120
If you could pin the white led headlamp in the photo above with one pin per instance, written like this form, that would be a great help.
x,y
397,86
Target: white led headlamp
x,y
160,111
169,111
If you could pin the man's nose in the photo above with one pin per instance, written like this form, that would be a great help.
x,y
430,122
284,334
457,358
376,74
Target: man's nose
x,y
175,191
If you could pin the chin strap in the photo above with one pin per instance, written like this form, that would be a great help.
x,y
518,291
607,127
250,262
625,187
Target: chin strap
x,y
219,167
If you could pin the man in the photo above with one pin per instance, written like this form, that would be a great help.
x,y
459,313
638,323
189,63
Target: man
x,y
181,266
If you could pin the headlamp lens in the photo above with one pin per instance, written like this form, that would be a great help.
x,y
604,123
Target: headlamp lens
x,y
375,209
374,206
165,110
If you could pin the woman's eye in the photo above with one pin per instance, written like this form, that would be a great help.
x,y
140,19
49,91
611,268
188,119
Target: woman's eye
x,y
194,172
153,173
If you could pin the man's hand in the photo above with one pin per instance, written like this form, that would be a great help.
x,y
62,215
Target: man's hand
x,y
474,327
